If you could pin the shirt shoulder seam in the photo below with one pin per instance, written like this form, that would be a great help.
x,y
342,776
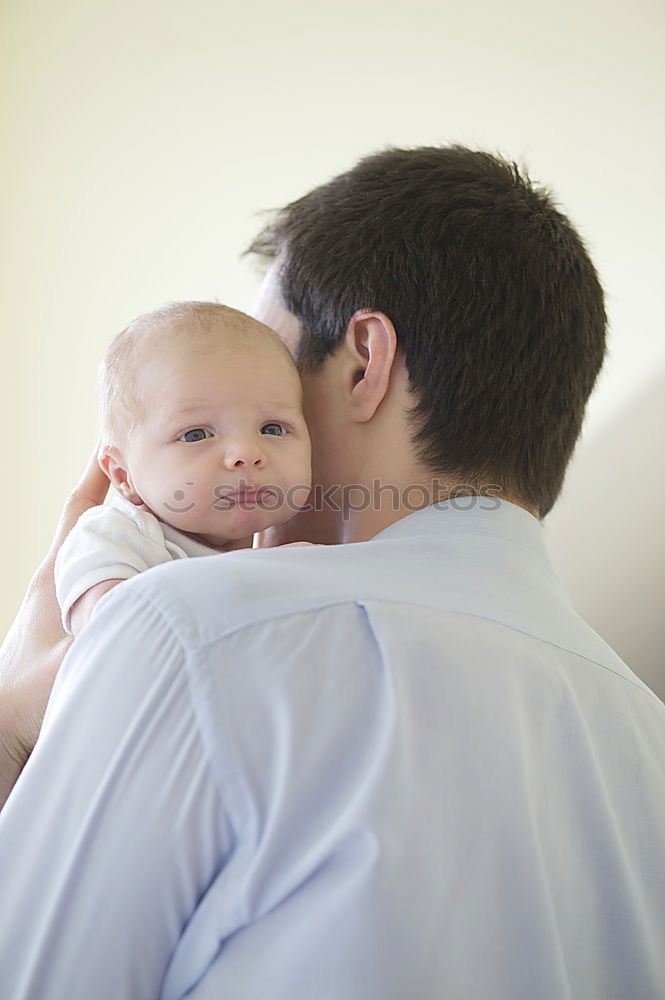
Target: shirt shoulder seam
x,y
235,629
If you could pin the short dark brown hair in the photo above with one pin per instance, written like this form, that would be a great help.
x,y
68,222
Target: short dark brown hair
x,y
497,306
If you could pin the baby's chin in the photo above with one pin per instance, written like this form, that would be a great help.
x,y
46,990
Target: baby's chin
x,y
234,528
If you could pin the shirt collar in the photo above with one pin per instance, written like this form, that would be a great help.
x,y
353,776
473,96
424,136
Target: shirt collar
x,y
472,514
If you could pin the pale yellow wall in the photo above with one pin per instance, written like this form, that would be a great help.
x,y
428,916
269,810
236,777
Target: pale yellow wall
x,y
139,139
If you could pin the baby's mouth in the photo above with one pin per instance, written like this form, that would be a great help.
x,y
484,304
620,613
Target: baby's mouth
x,y
246,495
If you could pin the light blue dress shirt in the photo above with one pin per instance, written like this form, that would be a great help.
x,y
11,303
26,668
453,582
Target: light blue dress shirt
x,y
402,769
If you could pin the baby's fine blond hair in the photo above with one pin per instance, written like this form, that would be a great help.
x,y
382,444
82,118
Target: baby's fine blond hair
x,y
185,324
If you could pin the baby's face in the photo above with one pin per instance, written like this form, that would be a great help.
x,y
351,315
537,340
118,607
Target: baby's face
x,y
224,450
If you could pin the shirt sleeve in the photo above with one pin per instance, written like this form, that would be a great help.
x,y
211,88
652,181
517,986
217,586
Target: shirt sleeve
x,y
104,544
115,827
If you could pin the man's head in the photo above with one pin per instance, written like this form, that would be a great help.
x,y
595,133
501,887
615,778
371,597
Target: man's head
x,y
198,402
496,306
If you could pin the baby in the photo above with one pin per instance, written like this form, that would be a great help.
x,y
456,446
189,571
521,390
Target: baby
x,y
203,437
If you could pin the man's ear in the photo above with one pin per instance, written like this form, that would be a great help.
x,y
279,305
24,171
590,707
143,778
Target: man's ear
x,y
112,462
371,343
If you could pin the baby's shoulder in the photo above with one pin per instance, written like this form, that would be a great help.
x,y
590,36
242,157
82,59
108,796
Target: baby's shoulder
x,y
119,516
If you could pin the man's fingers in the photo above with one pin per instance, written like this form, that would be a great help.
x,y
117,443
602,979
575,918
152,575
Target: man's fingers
x,y
90,491
93,485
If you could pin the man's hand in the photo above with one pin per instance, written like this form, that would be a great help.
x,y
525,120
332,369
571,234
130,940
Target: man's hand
x,y
35,646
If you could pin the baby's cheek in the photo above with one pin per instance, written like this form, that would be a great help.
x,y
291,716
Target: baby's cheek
x,y
181,500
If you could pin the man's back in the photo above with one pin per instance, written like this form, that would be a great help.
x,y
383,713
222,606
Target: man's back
x,y
436,780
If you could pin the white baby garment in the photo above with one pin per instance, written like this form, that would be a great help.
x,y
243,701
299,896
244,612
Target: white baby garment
x,y
116,541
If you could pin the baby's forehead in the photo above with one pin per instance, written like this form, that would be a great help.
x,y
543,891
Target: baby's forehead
x,y
177,339
179,360
219,334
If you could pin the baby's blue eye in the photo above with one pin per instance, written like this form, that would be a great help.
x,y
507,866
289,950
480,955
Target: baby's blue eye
x,y
275,429
197,434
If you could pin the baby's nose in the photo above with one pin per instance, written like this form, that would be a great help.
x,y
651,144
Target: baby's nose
x,y
240,456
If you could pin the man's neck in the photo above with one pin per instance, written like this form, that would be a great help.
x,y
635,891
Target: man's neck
x,y
359,524
359,512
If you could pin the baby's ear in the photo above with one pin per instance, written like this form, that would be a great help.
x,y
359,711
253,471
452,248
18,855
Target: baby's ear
x,y
114,465
111,462
103,459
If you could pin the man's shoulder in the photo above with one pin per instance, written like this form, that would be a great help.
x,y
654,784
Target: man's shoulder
x,y
202,599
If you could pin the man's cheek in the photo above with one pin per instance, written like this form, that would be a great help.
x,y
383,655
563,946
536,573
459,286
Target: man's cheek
x,y
298,497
